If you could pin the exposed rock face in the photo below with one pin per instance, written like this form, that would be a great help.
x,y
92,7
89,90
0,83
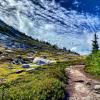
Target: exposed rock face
x,y
81,87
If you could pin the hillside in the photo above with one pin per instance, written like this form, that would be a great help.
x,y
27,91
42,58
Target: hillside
x,y
31,69
11,37
45,48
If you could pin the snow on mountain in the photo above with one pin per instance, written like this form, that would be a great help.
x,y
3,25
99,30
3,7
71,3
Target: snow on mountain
x,y
48,20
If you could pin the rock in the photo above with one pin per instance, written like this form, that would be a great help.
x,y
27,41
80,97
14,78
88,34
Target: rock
x,y
31,70
42,61
18,61
2,79
80,81
25,66
30,59
96,87
45,57
9,51
19,71
88,83
10,67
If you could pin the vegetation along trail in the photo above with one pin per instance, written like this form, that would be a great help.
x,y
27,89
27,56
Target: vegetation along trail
x,y
80,86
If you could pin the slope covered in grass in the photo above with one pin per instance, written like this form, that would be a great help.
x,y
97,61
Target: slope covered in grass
x,y
46,84
41,85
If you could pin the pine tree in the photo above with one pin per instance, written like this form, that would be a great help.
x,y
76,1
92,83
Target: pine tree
x,y
95,45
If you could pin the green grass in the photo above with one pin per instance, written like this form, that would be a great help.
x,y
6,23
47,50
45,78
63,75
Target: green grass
x,y
41,85
93,64
47,84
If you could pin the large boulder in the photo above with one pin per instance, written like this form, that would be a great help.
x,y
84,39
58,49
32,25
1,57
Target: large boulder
x,y
42,61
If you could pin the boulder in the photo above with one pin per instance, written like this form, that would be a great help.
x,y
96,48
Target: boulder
x,y
42,61
19,71
30,59
30,70
18,61
97,89
25,66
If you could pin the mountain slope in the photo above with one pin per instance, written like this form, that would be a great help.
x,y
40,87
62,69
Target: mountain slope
x,y
13,38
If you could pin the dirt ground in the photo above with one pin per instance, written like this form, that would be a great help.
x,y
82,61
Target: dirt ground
x,y
80,86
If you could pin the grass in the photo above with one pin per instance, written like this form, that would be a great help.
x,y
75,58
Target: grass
x,y
40,85
45,84
93,64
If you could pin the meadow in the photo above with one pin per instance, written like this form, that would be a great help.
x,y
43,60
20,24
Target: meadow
x,y
48,82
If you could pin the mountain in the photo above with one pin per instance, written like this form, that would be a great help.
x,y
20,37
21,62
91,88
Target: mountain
x,y
66,23
12,38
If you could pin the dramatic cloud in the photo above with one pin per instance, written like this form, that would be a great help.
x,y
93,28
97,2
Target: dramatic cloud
x,y
47,20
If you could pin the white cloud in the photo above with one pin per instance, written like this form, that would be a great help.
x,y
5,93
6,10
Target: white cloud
x,y
68,29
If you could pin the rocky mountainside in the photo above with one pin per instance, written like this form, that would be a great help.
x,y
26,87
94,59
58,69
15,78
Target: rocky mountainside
x,y
12,38
67,23
9,37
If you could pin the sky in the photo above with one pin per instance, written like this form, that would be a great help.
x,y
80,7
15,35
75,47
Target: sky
x,y
91,6
66,23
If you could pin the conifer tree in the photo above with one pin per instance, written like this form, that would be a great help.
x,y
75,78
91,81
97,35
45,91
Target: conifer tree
x,y
95,45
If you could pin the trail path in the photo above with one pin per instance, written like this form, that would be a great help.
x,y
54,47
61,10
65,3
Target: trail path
x,y
81,87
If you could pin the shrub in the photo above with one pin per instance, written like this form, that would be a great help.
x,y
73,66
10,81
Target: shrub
x,y
93,64
47,89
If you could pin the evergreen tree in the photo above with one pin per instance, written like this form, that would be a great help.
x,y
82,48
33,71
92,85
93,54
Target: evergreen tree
x,y
64,49
95,45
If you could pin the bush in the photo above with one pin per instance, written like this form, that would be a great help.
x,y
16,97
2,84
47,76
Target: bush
x,y
47,89
93,64
41,85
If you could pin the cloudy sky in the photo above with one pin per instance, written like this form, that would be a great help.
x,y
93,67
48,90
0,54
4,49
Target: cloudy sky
x,y
66,23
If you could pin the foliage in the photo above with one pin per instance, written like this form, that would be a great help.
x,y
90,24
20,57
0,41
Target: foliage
x,y
95,44
46,84
93,64
47,89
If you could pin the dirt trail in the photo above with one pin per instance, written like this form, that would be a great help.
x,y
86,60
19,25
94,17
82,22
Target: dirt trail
x,y
81,87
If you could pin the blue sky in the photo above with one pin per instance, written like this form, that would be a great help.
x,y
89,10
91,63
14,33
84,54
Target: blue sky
x,y
90,6
66,23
